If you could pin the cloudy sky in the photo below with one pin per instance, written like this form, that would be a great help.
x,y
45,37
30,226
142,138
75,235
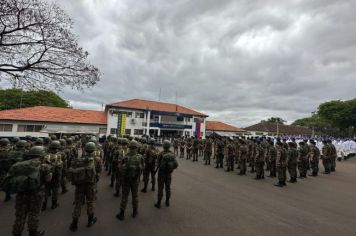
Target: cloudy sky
x,y
240,61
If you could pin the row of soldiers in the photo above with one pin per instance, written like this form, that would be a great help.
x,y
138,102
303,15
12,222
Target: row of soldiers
x,y
261,154
127,159
35,169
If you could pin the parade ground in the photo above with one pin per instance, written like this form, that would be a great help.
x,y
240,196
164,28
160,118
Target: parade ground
x,y
207,201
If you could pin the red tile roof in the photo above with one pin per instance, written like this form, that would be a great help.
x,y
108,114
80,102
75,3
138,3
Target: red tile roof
x,y
220,126
155,106
55,114
282,129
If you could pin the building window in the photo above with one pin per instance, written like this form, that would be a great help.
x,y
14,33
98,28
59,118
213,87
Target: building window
x,y
128,131
138,132
129,114
113,131
139,115
187,119
5,127
102,130
29,128
180,118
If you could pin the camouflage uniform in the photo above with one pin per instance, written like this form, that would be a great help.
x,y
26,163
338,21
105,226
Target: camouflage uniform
x,y
130,168
260,162
314,156
281,165
272,160
243,152
208,152
292,162
333,156
149,167
189,149
230,157
52,188
28,205
165,174
195,149
326,150
219,154
182,148
85,192
303,160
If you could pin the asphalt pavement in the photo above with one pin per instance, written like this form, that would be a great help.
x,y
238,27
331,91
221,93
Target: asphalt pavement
x,y
208,201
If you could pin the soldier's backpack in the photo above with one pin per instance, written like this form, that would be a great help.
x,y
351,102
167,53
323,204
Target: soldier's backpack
x,y
132,167
55,160
25,176
82,171
168,163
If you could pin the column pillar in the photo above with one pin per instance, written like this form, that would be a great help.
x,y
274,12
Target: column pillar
x,y
148,123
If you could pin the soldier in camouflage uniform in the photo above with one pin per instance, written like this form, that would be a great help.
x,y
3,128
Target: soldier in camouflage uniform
x,y
230,158
195,149
182,148
65,154
4,162
281,164
219,153
252,154
272,159
115,161
189,148
326,151
333,156
14,156
208,151
28,201
165,166
85,184
292,162
175,146
130,168
119,156
242,156
314,155
260,161
54,158
149,166
302,160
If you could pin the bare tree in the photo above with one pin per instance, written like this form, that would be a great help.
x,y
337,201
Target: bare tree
x,y
38,49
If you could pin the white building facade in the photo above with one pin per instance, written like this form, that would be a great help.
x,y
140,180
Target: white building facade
x,y
154,123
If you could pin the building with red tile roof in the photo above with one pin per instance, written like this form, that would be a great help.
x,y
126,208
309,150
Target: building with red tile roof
x,y
40,120
144,117
222,129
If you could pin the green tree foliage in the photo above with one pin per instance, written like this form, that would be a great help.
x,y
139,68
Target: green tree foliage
x,y
18,98
276,120
334,118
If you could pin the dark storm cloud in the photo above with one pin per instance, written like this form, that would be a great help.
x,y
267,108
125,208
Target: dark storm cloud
x,y
238,61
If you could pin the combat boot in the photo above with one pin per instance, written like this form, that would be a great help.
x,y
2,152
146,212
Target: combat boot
x,y
153,187
117,194
134,213
35,233
279,184
144,190
44,206
158,204
7,198
121,215
167,203
54,205
74,225
91,220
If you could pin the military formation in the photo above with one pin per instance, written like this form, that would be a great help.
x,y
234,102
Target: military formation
x,y
38,170
260,155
